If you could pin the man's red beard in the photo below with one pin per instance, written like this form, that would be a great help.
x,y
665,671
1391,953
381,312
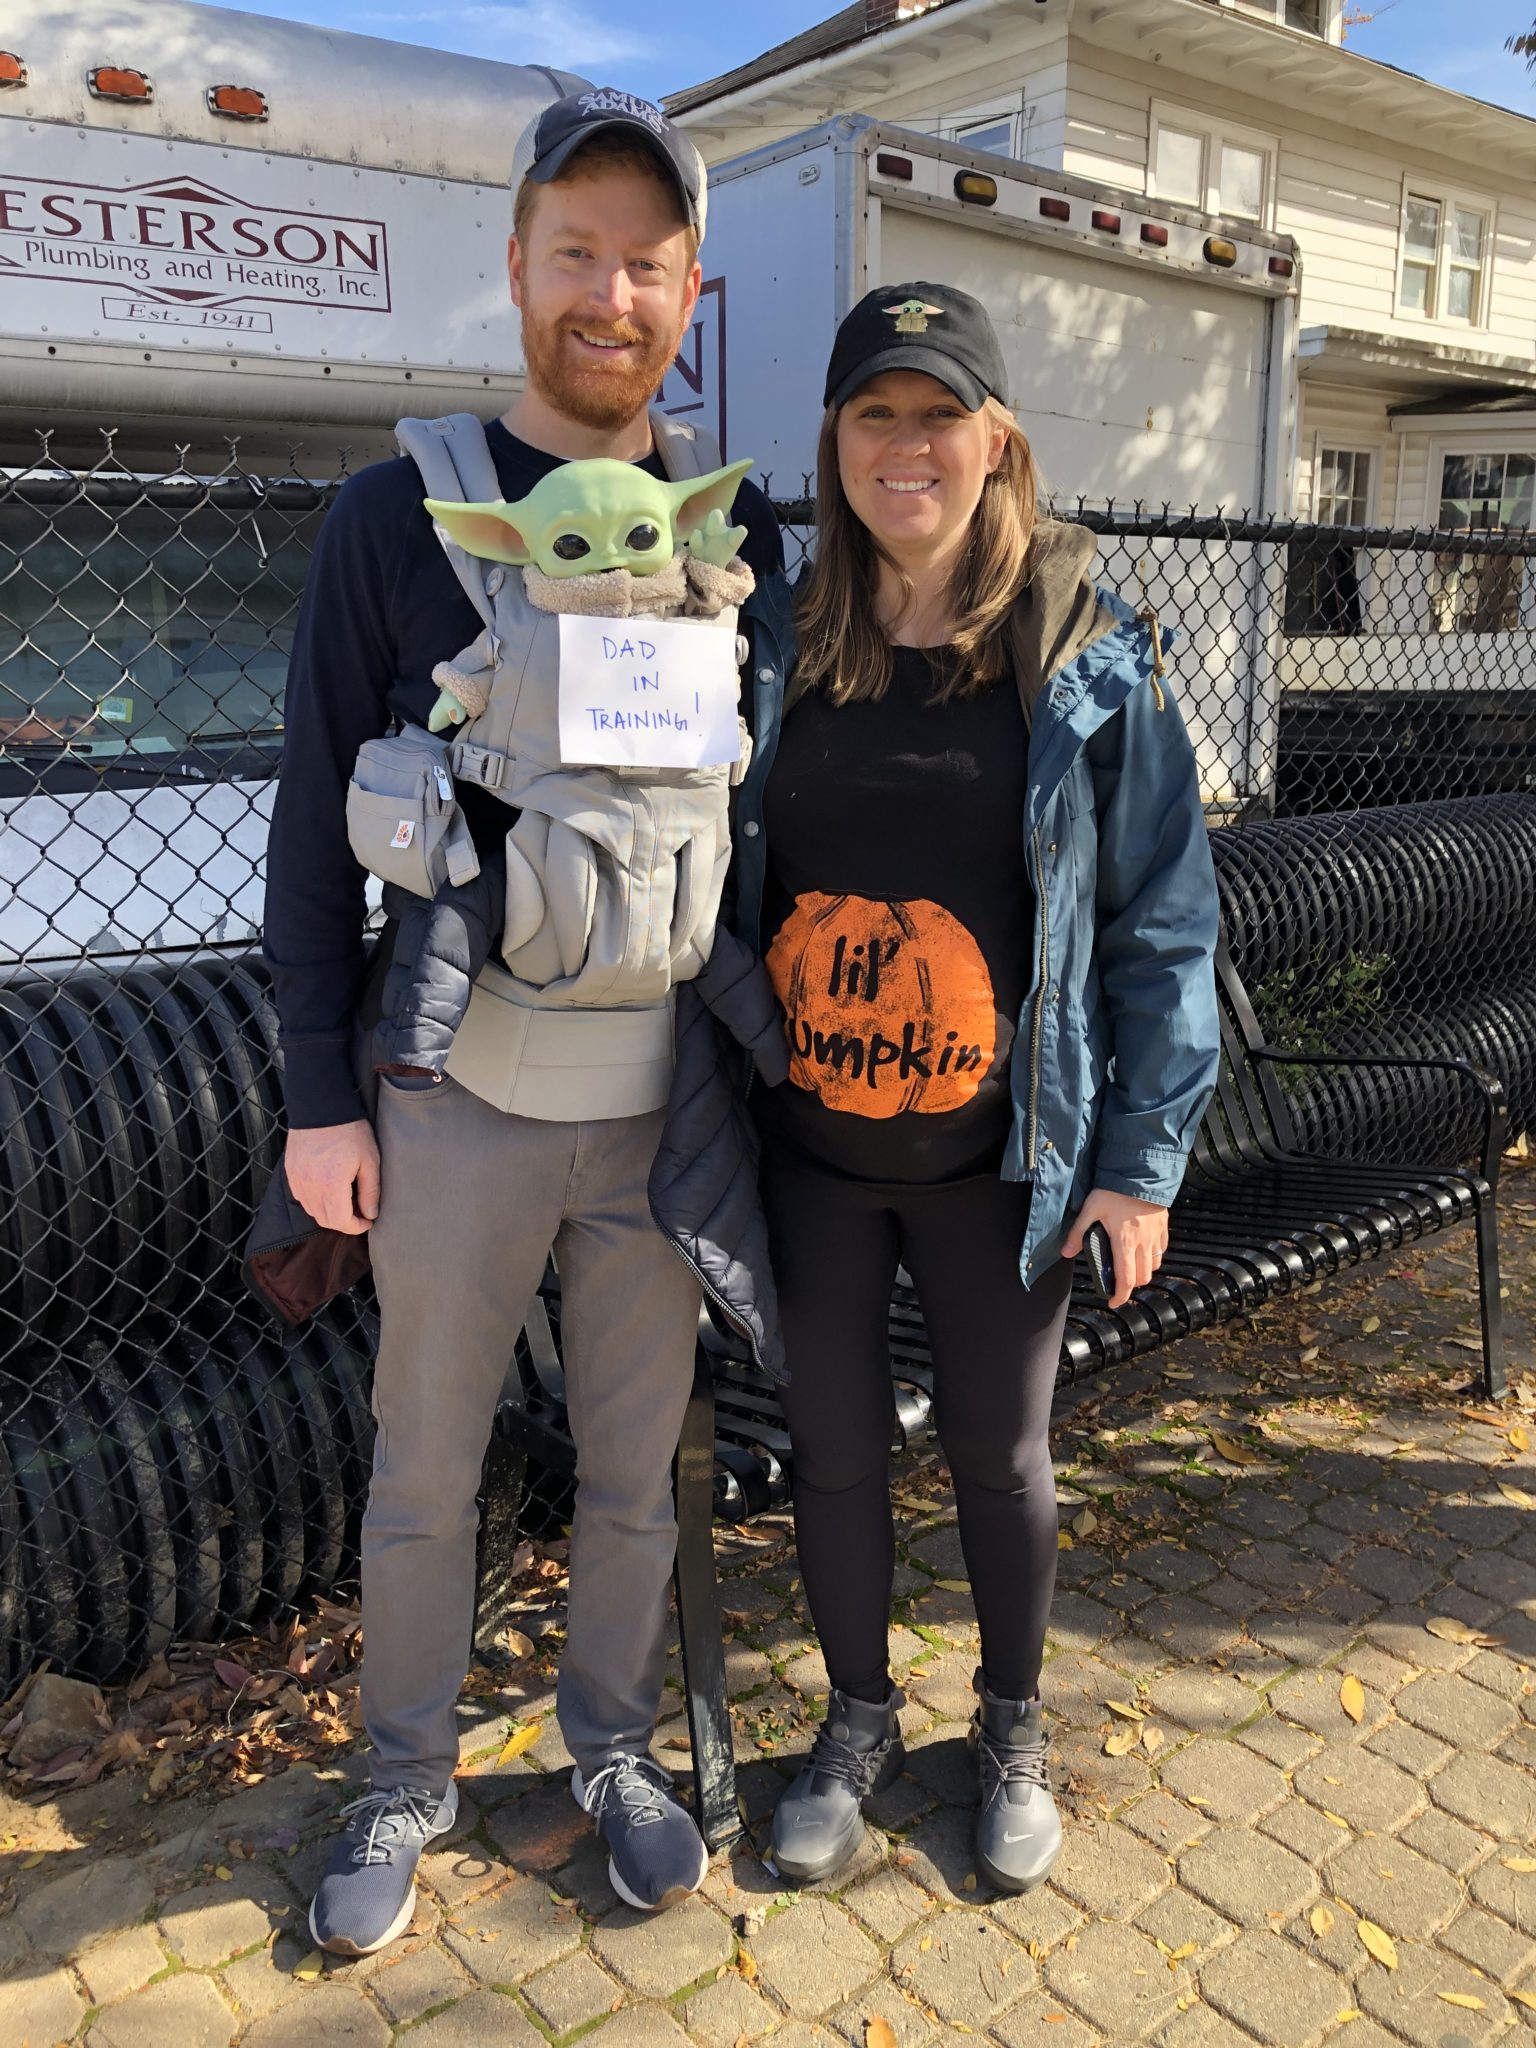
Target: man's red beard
x,y
597,394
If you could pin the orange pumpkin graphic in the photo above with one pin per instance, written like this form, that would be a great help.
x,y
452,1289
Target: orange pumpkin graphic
x,y
889,1005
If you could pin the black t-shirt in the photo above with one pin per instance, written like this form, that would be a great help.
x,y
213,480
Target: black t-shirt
x,y
381,606
897,927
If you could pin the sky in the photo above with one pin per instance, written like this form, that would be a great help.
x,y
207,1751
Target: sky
x,y
1459,45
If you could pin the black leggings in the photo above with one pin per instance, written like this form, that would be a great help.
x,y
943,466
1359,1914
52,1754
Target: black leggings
x,y
836,1245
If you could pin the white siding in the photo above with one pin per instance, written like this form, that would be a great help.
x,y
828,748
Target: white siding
x,y
1340,194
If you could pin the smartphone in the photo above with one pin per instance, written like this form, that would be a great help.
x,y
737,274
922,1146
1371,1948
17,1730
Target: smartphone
x,y
1100,1254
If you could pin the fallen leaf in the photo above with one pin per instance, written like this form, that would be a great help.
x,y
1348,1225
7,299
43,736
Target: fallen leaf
x,y
1450,1630
234,1675
1527,1998
223,1873
953,1585
160,1777
746,1967
1352,1698
1063,1539
1350,2012
1234,1452
518,1645
1519,1439
925,1944
31,1862
1518,1495
1151,1739
1309,1354
1461,1998
1378,1942
1121,1741
1524,1864
313,1966
1322,1921
1483,1414
520,1740
1177,1955
878,2033
1125,1710
1370,1326
1337,1819
968,1882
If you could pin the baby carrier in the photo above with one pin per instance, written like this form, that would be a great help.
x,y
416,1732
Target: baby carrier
x,y
612,876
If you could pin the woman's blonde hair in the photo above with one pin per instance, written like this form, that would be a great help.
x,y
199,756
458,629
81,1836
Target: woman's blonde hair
x,y
841,645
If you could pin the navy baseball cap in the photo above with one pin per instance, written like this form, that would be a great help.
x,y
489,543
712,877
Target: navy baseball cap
x,y
561,129
929,327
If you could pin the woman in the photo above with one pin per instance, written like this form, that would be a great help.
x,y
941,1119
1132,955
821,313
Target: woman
x,y
971,849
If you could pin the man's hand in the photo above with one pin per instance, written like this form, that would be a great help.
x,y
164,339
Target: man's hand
x,y
334,1175
1137,1230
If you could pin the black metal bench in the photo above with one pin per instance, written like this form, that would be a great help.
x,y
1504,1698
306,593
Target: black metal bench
x,y
1360,1153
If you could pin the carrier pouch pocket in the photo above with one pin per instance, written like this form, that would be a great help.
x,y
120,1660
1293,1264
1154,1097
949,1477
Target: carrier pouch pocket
x,y
403,820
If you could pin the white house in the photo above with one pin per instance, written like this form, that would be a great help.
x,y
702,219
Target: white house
x,y
1414,207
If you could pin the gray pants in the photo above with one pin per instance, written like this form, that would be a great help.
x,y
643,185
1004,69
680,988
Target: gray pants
x,y
472,1202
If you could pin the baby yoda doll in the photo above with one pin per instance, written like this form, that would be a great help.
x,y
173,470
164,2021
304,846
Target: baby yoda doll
x,y
598,538
606,890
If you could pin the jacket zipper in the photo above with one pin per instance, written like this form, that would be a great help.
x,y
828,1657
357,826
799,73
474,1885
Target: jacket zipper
x,y
1032,1122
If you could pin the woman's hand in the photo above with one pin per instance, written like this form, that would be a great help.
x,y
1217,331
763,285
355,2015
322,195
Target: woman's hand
x,y
1137,1230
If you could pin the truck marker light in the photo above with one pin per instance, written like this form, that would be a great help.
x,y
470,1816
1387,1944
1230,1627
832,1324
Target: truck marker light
x,y
110,82
1056,209
1107,223
237,102
890,166
1220,251
1281,266
976,188
12,70
1154,234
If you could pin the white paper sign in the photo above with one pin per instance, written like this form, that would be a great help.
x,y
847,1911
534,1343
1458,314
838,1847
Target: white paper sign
x,y
647,693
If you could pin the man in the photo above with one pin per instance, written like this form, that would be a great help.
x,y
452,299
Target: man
x,y
463,1199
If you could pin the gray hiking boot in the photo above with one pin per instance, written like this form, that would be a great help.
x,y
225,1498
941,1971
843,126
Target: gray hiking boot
x,y
368,1893
858,1751
1018,1831
656,1856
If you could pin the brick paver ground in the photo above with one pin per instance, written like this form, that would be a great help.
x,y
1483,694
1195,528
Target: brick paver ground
x,y
1218,1877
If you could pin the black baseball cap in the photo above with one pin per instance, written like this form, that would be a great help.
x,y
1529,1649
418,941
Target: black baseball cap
x,y
929,327
564,125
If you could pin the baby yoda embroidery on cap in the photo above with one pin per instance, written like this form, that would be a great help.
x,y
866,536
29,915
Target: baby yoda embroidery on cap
x,y
912,316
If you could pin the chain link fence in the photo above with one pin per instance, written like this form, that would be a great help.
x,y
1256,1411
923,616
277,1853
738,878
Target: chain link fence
x,y
171,1465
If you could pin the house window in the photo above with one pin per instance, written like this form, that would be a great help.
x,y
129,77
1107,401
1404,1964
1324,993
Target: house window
x,y
1213,167
1310,17
1322,575
999,137
1481,492
1445,244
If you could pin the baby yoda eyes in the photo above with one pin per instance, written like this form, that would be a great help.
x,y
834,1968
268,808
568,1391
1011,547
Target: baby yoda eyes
x,y
570,547
642,539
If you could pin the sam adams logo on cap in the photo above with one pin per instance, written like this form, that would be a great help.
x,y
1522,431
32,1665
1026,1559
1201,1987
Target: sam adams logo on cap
x,y
610,102
912,316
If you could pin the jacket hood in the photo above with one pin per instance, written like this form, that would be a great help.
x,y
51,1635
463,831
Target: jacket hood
x,y
1058,613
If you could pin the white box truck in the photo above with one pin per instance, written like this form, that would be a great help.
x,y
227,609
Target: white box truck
x,y
234,249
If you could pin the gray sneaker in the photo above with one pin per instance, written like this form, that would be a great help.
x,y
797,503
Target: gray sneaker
x,y
818,1820
368,1893
656,1856
1018,1830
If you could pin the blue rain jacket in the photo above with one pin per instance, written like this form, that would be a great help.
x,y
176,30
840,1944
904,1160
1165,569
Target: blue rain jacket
x,y
1117,1047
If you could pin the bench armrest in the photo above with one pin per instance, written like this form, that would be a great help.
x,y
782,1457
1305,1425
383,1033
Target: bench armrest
x,y
1489,1086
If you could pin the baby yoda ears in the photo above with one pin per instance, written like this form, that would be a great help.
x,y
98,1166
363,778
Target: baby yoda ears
x,y
696,497
489,532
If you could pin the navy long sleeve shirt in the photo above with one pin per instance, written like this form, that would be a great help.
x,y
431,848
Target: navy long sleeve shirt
x,y
381,607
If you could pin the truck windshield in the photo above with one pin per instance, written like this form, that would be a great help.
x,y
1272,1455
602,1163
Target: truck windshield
x,y
144,631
